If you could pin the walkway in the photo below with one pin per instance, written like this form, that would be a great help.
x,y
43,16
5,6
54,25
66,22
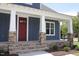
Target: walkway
x,y
41,54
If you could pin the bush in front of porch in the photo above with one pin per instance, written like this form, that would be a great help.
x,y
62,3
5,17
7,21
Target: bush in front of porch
x,y
59,46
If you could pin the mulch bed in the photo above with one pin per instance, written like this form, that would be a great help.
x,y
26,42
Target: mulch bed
x,y
61,53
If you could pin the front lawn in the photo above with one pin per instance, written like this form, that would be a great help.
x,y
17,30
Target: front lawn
x,y
77,52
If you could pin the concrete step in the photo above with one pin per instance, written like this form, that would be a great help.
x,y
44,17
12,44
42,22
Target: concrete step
x,y
31,50
26,50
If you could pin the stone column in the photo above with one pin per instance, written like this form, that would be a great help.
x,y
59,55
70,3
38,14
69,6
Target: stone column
x,y
42,34
70,39
12,30
70,32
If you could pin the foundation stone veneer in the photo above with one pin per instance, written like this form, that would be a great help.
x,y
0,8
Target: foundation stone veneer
x,y
70,39
12,37
42,38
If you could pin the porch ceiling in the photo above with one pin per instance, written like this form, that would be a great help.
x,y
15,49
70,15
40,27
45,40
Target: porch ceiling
x,y
35,12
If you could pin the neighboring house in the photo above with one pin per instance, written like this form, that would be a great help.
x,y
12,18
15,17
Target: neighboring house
x,y
30,26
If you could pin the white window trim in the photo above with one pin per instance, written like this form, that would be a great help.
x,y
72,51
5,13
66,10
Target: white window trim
x,y
54,28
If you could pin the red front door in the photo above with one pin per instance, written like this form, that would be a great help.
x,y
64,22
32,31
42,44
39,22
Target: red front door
x,y
22,28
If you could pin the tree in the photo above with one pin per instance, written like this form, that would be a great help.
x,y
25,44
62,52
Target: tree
x,y
63,29
76,26
75,20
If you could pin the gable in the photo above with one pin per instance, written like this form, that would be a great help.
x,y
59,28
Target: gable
x,y
36,5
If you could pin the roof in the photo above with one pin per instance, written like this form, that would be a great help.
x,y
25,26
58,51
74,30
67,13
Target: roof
x,y
38,6
34,11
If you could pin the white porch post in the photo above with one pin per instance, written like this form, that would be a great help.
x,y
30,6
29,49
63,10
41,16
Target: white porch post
x,y
70,26
42,24
27,28
70,32
13,21
42,35
12,30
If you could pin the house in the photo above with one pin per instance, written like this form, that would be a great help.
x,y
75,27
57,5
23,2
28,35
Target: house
x,y
27,27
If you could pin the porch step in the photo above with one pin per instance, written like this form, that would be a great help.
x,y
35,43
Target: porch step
x,y
25,47
4,46
29,50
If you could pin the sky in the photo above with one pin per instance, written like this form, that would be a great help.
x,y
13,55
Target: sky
x,y
65,8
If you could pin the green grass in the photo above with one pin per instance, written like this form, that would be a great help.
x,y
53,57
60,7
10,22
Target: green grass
x,y
77,52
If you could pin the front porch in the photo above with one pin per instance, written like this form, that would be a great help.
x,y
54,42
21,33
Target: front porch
x,y
35,35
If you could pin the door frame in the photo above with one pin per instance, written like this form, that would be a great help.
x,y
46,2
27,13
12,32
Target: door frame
x,y
27,19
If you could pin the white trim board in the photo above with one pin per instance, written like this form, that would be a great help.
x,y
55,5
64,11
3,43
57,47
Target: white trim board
x,y
27,18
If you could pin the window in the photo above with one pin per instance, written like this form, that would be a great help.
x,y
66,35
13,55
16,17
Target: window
x,y
50,28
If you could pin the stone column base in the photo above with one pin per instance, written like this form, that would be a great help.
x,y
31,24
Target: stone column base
x,y
42,38
12,37
70,39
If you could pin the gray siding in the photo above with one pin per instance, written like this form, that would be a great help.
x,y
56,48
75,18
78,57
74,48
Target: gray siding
x,y
34,28
4,27
36,5
57,31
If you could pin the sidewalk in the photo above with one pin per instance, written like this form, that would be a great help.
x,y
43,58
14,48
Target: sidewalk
x,y
36,53
41,54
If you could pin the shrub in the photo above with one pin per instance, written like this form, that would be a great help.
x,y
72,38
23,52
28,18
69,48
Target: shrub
x,y
66,49
3,52
53,47
65,45
74,47
77,48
